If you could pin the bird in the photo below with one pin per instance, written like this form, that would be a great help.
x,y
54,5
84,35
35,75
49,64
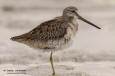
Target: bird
x,y
54,34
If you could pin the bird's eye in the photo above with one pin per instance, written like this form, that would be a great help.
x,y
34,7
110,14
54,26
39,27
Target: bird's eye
x,y
73,11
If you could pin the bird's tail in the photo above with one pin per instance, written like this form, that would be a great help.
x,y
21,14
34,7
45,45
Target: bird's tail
x,y
17,39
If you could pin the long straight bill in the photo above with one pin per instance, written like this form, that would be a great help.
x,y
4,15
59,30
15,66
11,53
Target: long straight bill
x,y
81,18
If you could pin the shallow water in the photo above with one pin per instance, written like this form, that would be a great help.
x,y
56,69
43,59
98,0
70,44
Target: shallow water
x,y
92,53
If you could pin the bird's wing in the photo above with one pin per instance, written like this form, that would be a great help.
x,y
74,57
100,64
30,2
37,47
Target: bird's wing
x,y
50,30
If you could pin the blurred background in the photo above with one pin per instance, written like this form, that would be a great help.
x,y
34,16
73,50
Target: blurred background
x,y
90,45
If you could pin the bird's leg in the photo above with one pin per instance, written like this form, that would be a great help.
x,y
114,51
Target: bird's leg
x,y
51,61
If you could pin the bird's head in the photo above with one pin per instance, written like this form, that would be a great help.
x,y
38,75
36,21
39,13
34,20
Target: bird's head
x,y
73,12
70,12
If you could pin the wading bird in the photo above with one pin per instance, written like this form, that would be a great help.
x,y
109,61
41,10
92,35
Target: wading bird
x,y
54,34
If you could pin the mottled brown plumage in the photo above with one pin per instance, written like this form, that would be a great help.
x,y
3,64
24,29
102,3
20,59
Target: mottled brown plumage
x,y
55,33
51,34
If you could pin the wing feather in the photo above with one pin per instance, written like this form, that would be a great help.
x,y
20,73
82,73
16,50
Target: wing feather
x,y
50,30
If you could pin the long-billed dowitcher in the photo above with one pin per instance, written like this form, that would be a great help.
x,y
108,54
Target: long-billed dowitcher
x,y
55,33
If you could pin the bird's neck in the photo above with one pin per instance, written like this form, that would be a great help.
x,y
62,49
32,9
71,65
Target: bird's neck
x,y
72,22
